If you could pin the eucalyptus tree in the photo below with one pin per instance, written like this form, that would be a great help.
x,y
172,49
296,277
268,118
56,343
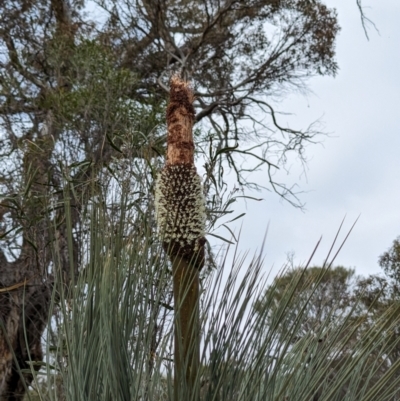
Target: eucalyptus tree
x,y
320,297
380,293
311,308
389,261
64,111
325,294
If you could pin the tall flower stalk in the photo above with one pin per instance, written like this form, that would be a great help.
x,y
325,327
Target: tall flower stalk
x,y
180,208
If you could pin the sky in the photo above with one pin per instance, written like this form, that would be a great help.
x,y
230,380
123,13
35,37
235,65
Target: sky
x,y
355,171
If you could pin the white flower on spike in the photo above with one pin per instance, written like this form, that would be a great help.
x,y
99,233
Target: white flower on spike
x,y
180,205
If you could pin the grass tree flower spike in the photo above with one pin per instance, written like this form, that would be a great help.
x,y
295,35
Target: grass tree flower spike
x,y
179,199
180,209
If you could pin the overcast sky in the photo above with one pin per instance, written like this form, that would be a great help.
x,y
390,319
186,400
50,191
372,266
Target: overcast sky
x,y
354,172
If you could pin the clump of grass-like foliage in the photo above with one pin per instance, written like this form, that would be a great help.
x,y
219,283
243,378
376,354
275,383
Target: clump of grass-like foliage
x,y
111,335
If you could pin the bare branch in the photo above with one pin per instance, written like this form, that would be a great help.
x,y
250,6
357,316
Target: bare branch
x,y
207,110
12,52
365,20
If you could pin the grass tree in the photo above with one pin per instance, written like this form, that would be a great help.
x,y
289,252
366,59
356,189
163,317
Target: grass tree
x,y
105,348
